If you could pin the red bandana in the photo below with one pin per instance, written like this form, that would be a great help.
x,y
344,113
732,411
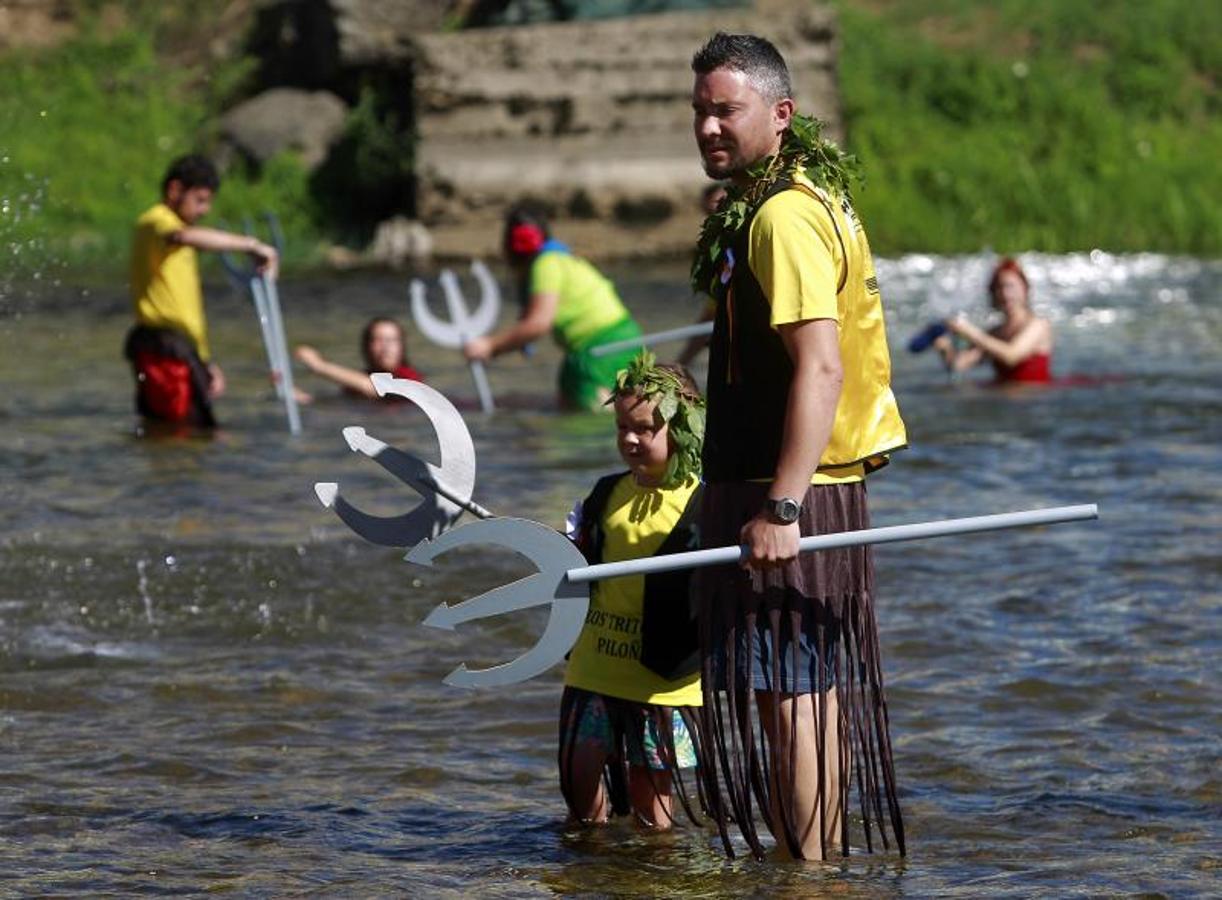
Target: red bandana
x,y
524,240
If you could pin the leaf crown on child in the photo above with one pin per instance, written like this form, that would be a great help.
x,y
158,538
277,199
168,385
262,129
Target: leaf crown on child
x,y
680,407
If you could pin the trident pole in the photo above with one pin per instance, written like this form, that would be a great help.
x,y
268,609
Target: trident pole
x,y
658,337
886,535
282,367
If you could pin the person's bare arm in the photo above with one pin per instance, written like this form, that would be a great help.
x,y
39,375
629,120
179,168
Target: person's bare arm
x,y
213,239
1008,352
814,348
957,360
352,379
536,321
216,386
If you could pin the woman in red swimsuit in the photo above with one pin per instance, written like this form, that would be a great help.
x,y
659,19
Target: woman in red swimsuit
x,y
1020,348
384,347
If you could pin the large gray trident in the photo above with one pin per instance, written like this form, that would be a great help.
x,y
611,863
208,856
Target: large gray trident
x,y
563,575
463,325
445,490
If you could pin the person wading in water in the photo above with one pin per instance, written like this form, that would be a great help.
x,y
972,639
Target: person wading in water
x,y
800,410
565,294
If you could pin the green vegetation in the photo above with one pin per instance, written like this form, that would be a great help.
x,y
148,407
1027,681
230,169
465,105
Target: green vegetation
x,y
87,130
368,173
1036,124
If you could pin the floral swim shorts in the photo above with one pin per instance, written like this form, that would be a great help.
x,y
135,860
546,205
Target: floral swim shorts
x,y
645,747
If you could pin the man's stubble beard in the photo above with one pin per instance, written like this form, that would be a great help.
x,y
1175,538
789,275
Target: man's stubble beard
x,y
723,173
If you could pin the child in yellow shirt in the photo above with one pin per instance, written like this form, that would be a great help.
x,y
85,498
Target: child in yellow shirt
x,y
176,378
633,676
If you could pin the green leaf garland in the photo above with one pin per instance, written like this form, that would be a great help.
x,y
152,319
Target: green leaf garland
x,y
679,408
803,149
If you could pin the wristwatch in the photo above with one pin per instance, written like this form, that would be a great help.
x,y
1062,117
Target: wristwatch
x,y
786,510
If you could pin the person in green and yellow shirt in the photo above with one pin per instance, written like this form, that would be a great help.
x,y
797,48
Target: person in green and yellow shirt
x,y
176,378
567,295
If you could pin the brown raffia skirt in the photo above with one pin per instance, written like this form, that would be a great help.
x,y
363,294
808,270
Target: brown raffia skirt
x,y
805,627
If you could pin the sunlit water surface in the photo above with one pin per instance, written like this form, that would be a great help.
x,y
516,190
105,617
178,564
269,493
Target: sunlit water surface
x,y
208,684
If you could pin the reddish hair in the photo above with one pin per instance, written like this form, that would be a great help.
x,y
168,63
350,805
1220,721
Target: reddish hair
x,y
1008,264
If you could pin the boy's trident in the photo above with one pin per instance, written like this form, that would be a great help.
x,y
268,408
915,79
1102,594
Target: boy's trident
x,y
271,323
463,325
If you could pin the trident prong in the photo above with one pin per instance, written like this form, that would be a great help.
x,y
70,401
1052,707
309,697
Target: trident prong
x,y
445,490
553,555
463,325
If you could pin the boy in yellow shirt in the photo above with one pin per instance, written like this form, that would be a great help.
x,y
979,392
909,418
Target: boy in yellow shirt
x,y
633,676
176,378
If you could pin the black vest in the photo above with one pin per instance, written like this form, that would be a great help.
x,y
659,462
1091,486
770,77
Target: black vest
x,y
670,638
749,372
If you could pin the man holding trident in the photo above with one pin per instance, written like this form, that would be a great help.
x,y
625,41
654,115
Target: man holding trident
x,y
800,409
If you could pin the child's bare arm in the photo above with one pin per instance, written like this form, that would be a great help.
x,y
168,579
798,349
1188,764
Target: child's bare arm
x,y
341,375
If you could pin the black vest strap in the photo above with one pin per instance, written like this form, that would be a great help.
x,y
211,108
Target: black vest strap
x,y
590,532
749,373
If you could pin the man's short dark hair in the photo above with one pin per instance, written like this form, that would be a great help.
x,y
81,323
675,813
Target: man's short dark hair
x,y
192,171
755,57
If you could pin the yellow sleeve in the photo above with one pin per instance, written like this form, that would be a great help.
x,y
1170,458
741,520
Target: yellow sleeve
x,y
794,254
547,274
163,221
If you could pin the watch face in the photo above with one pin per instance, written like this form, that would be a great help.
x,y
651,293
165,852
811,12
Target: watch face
x,y
786,509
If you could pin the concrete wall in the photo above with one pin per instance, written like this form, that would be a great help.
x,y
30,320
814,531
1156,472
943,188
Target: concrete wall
x,y
591,118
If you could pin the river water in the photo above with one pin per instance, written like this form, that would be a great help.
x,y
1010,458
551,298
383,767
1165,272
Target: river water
x,y
208,684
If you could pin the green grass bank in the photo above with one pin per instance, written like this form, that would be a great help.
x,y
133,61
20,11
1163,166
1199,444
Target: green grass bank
x,y
1036,124
1014,124
88,127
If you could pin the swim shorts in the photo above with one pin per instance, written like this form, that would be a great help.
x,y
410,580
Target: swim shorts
x,y
645,745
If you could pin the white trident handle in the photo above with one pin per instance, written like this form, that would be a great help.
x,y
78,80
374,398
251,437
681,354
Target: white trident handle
x,y
891,534
658,337
561,584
